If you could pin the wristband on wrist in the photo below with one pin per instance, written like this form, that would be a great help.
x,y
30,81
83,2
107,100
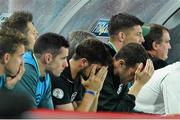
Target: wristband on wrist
x,y
91,92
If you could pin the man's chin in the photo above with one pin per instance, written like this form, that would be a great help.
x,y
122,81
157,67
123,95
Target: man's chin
x,y
10,75
55,74
58,74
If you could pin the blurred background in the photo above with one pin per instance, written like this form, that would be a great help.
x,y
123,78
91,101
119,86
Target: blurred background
x,y
64,16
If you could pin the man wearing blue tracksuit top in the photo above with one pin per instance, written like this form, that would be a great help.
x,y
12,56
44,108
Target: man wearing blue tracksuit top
x,y
50,54
12,47
34,85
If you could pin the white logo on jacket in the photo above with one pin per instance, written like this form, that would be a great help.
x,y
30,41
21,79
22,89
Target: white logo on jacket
x,y
58,93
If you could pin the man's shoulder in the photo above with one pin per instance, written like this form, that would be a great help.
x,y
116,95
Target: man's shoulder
x,y
173,76
30,72
29,79
159,63
61,82
65,77
111,78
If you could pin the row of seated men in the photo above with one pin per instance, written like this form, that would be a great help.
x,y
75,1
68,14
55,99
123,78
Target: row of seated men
x,y
84,74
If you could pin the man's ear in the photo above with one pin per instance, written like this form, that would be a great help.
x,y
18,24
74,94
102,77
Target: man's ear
x,y
121,62
121,36
6,58
155,45
48,58
83,62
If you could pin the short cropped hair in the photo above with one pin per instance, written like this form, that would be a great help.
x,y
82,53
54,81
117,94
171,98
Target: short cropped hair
x,y
94,51
50,42
121,22
132,54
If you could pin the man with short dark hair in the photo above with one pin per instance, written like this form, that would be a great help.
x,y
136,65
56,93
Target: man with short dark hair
x,y
123,29
88,63
157,44
128,65
50,56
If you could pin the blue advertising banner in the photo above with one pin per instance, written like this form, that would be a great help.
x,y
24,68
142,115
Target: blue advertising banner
x,y
100,28
3,16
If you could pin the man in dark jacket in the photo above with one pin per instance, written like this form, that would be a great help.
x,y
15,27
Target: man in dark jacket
x,y
123,29
157,44
128,65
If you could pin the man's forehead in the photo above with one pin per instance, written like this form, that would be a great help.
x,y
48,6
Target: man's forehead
x,y
135,29
63,51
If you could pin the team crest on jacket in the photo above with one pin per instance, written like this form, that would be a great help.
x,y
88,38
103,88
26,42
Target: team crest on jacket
x,y
58,93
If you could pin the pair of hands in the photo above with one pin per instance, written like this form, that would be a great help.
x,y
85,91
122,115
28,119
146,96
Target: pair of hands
x,y
95,80
10,82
